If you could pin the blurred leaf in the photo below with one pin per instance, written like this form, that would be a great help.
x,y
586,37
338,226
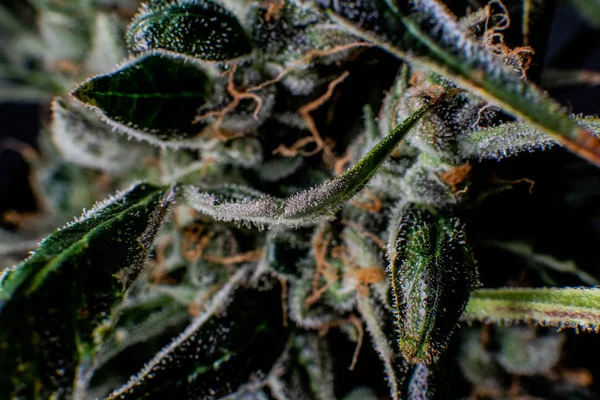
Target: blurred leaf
x,y
67,39
589,9
545,261
523,352
559,78
85,140
108,47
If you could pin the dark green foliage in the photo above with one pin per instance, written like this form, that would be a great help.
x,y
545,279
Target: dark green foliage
x,y
153,98
219,351
432,273
52,303
200,29
284,116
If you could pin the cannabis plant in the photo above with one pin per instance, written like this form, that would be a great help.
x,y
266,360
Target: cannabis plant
x,y
276,198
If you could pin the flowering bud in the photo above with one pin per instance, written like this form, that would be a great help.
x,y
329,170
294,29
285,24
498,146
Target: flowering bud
x,y
432,273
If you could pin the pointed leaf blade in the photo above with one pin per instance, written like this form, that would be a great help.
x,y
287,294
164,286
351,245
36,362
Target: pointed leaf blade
x,y
153,98
305,207
51,303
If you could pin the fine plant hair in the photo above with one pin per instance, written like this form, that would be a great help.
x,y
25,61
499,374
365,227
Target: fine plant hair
x,y
280,189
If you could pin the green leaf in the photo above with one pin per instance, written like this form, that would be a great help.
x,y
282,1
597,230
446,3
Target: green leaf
x,y
139,323
51,303
436,41
45,83
85,140
282,246
503,141
577,308
304,207
240,333
153,98
432,273
201,29
142,329
511,138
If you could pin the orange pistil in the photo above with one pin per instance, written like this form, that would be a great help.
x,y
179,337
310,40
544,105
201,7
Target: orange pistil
x,y
18,219
340,163
194,242
354,320
373,205
531,182
361,334
238,95
296,148
305,111
194,309
325,269
366,276
308,57
274,10
456,175
316,294
222,135
250,256
66,66
520,57
284,296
